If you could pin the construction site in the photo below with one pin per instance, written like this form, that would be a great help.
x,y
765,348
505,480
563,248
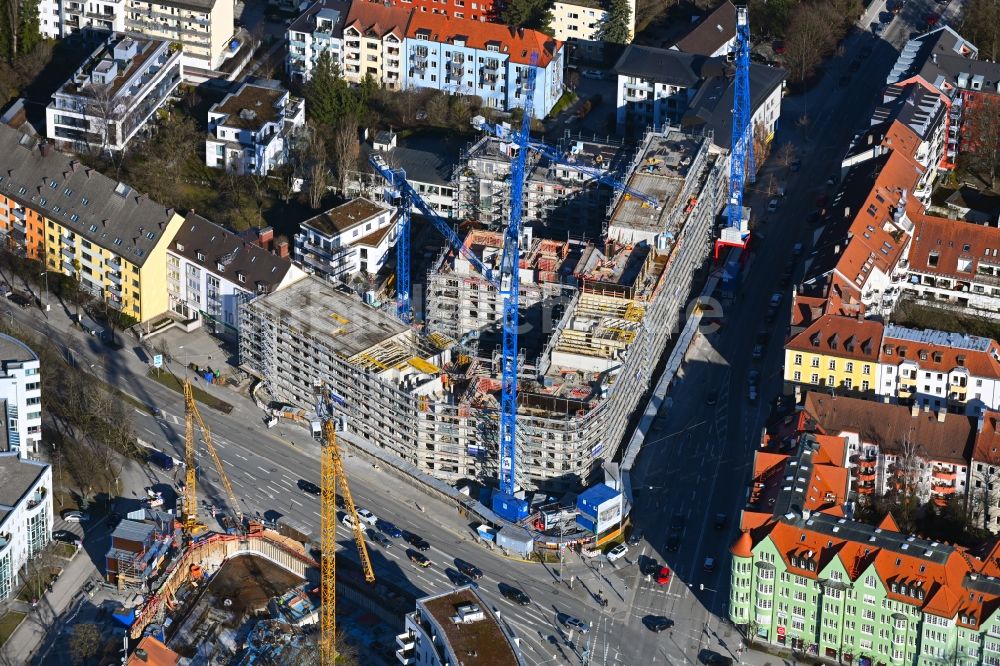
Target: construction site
x,y
596,316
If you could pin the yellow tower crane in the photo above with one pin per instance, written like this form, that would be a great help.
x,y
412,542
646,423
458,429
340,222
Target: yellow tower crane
x,y
332,472
192,525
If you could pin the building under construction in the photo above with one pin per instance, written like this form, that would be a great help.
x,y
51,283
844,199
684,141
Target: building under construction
x,y
434,401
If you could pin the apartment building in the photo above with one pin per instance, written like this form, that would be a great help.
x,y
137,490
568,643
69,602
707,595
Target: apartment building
x,y
211,272
558,194
834,352
488,60
984,507
480,10
940,370
26,522
892,447
373,43
579,22
950,64
352,238
429,163
204,28
713,35
112,96
58,19
661,86
20,397
320,29
112,239
449,627
582,376
251,131
858,263
460,300
955,264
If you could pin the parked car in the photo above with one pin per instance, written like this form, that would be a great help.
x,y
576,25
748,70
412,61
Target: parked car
x,y
573,622
673,542
367,517
617,552
19,298
709,565
418,558
65,536
309,487
378,537
347,521
657,623
75,517
772,205
710,658
758,352
513,594
797,249
458,578
663,576
389,529
473,572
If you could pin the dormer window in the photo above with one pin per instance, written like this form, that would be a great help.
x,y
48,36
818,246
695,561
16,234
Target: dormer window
x,y
960,359
221,267
180,248
241,277
200,255
923,354
888,350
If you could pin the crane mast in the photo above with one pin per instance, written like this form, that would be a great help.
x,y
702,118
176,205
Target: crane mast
x,y
741,157
332,473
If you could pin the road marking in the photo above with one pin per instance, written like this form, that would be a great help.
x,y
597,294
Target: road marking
x,y
252,477
262,469
294,501
318,515
274,490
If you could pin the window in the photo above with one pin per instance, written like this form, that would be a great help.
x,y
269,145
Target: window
x,y
815,362
797,376
849,367
866,369
814,379
798,359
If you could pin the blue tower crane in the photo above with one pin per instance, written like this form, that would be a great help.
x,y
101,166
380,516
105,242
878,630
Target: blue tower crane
x,y
504,503
557,157
403,260
741,158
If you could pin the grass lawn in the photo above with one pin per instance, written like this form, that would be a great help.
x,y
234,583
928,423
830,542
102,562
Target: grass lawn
x,y
64,550
8,623
39,581
174,383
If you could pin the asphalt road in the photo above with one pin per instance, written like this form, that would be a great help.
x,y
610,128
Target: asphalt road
x,y
695,463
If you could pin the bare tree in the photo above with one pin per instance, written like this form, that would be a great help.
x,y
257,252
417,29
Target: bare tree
x,y
84,643
810,36
786,154
907,477
984,492
982,137
317,171
346,150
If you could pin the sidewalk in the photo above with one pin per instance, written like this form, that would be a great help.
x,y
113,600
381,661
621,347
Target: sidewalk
x,y
47,615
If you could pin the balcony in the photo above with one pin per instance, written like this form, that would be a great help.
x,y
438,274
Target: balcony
x,y
114,277
36,500
943,474
406,640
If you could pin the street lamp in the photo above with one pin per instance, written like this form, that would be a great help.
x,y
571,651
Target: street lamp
x,y
45,274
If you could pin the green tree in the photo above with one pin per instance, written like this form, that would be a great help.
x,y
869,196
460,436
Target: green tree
x,y
533,14
328,97
615,27
28,32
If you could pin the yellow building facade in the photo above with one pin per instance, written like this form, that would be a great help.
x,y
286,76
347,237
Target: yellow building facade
x,y
110,238
835,352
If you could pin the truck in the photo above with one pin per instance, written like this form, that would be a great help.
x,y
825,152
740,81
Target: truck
x,y
161,459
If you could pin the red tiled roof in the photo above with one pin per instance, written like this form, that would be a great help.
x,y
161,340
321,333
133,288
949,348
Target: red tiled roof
x,y
987,446
517,43
157,654
959,247
372,18
843,337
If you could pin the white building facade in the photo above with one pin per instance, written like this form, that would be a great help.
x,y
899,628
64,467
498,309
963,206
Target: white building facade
x,y
62,18
21,396
939,370
250,131
211,272
204,28
26,503
320,29
349,239
112,96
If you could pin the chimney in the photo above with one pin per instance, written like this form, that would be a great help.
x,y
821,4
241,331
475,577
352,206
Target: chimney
x,y
914,410
141,654
927,408
265,236
941,413
982,423
281,248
